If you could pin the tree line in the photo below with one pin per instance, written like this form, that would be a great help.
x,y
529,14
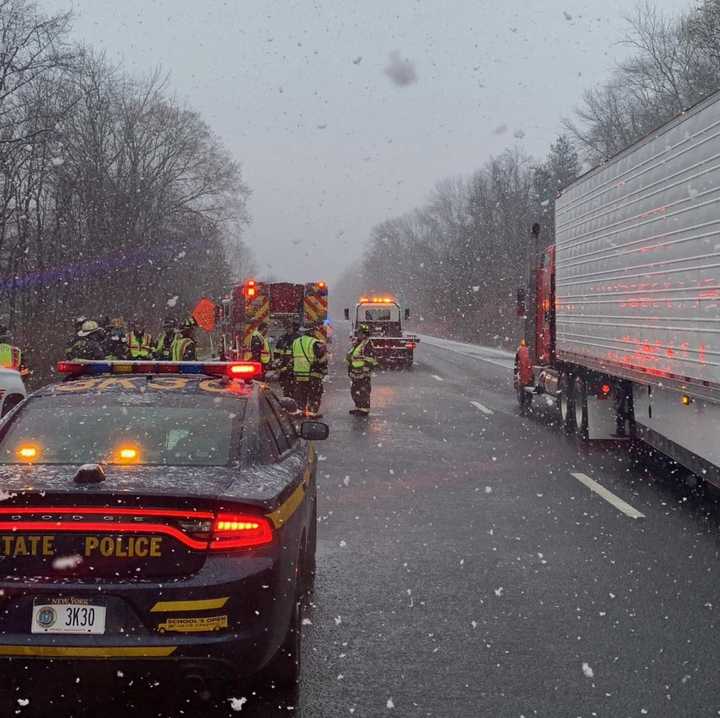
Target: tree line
x,y
458,259
115,199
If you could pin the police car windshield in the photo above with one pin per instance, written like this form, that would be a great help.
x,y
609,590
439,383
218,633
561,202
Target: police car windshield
x,y
179,430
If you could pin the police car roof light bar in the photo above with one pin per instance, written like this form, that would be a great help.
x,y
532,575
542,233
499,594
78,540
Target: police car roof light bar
x,y
247,370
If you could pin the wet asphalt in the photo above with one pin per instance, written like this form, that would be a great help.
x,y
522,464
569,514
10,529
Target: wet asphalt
x,y
464,571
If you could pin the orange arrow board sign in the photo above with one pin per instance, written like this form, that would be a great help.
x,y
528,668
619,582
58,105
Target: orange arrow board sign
x,y
204,314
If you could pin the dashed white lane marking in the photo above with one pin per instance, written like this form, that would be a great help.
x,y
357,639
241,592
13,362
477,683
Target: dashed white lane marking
x,y
435,376
482,407
609,496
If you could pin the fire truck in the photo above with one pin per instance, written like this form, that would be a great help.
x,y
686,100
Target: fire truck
x,y
278,304
382,316
622,312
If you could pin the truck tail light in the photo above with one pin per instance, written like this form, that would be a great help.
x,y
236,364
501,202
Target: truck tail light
x,y
236,531
411,345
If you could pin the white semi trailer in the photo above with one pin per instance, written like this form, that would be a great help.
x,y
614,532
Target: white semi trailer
x,y
625,316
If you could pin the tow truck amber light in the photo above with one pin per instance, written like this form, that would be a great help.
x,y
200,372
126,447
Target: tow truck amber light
x,y
686,400
231,531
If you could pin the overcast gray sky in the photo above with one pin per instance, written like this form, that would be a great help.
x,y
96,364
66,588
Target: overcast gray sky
x,y
330,144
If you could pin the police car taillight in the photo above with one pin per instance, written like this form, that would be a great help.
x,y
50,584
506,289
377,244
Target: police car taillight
x,y
235,531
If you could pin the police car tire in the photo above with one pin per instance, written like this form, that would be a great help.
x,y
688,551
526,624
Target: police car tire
x,y
283,671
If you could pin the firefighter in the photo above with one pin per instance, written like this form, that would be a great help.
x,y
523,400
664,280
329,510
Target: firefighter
x,y
260,346
164,343
116,343
184,347
10,355
361,362
284,358
307,356
139,341
89,342
318,372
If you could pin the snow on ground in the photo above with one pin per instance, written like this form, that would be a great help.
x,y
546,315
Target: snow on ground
x,y
491,355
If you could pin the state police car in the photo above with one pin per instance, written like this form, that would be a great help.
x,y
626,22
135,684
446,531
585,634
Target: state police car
x,y
157,511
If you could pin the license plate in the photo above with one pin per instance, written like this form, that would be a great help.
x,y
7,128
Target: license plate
x,y
68,618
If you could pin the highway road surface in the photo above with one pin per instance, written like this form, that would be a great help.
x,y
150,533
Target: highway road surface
x,y
473,562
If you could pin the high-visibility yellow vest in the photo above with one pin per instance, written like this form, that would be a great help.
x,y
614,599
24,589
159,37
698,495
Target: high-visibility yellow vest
x,y
303,353
265,353
10,356
140,346
179,347
359,364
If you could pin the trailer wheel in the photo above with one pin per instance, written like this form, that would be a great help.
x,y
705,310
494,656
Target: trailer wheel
x,y
566,403
581,408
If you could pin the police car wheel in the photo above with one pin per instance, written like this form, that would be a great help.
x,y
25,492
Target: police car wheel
x,y
283,671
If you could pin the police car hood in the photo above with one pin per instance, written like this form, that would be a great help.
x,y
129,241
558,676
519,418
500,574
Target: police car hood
x,y
259,486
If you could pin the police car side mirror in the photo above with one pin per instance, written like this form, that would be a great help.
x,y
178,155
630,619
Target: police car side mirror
x,y
407,314
314,430
347,315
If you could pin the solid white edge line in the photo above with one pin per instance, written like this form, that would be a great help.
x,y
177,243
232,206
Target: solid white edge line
x,y
609,496
482,408
435,376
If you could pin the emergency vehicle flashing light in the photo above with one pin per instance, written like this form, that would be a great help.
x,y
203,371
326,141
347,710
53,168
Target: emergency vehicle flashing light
x,y
376,300
245,370
128,455
27,453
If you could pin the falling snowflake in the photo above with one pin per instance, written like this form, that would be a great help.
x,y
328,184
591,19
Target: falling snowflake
x,y
237,703
67,563
499,591
587,671
58,161
173,301
389,705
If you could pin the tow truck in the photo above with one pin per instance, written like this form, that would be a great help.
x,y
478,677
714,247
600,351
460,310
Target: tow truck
x,y
382,316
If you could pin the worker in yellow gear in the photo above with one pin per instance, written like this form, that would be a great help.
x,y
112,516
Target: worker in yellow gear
x,y
140,344
283,358
361,362
259,349
308,357
10,355
164,343
184,347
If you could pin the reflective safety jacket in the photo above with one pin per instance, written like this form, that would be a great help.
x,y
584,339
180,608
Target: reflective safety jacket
x,y
259,349
304,357
360,360
164,344
320,368
10,357
283,355
140,346
183,349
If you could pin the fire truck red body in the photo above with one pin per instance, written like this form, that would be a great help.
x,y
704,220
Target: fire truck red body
x,y
277,304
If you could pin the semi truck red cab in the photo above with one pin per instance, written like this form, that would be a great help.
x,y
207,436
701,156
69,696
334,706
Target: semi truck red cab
x,y
383,317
